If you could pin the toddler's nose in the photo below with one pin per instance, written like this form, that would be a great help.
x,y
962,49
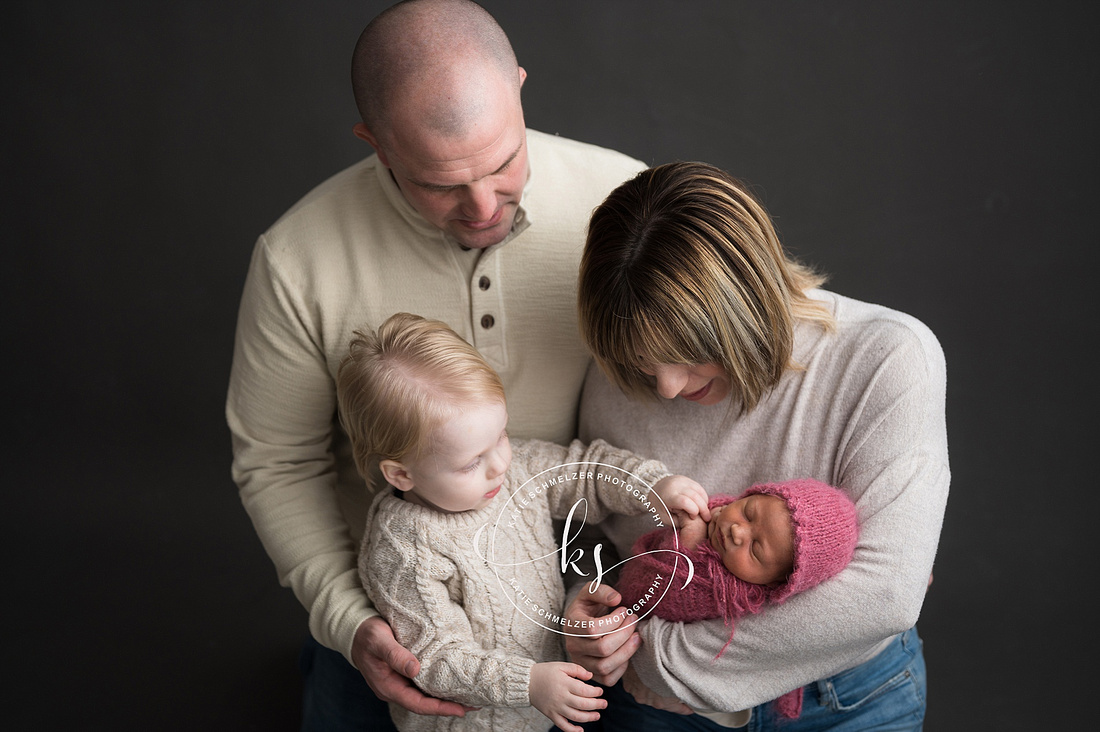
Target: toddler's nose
x,y
497,465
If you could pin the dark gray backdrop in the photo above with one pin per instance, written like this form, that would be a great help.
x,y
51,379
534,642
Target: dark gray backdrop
x,y
936,157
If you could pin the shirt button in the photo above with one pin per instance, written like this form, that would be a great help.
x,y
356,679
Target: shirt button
x,y
483,283
487,321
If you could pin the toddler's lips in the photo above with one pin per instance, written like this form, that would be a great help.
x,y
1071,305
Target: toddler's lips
x,y
493,492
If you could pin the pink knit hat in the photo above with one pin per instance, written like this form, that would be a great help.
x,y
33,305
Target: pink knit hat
x,y
825,531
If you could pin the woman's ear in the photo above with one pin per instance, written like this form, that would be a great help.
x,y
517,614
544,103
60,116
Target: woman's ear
x,y
396,475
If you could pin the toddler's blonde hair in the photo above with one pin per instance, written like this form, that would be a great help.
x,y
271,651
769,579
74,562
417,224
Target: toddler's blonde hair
x,y
396,385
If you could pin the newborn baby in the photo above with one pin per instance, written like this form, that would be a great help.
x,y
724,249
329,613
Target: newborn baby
x,y
770,542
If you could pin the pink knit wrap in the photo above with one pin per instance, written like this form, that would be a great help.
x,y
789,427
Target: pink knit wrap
x,y
825,534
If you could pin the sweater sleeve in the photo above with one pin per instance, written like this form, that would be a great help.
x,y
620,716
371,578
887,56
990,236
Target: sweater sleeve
x,y
892,460
280,409
609,479
421,593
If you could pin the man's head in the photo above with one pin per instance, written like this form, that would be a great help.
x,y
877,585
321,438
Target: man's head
x,y
438,88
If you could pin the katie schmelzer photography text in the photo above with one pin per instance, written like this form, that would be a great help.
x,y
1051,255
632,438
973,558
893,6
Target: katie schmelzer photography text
x,y
570,557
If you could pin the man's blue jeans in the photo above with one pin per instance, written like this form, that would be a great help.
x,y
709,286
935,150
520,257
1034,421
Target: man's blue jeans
x,y
336,698
888,692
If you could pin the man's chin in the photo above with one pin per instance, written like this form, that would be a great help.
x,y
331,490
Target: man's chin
x,y
480,239
475,237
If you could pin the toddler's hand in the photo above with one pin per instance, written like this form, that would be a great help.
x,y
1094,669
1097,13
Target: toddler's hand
x,y
558,691
683,496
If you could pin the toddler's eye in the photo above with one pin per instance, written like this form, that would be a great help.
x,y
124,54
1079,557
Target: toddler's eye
x,y
472,466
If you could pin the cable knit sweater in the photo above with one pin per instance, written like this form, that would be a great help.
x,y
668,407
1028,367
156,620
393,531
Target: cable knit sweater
x,y
472,625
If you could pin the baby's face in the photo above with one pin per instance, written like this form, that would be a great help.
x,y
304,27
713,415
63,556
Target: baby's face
x,y
754,537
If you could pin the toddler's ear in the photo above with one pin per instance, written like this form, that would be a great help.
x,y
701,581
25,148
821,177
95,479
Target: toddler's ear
x,y
396,475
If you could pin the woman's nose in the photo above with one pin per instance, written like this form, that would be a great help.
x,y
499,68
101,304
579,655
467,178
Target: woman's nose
x,y
670,381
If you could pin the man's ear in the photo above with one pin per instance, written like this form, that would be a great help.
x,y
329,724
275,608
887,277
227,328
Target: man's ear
x,y
522,76
360,130
396,475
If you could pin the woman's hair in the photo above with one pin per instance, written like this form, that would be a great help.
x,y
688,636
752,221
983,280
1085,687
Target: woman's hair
x,y
683,266
397,385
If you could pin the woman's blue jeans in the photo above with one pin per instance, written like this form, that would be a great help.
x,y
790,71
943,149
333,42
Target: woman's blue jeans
x,y
888,692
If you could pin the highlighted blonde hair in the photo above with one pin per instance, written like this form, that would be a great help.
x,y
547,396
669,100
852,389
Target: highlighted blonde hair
x,y
396,385
683,266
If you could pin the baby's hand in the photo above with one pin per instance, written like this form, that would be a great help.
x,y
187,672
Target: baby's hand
x,y
683,496
692,533
558,691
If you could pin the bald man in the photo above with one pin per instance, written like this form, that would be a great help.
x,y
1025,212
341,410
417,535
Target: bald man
x,y
460,214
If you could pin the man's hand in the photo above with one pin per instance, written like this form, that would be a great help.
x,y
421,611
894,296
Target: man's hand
x,y
606,656
644,695
387,667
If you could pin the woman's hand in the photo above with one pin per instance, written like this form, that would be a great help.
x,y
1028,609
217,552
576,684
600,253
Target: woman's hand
x,y
606,655
559,692
644,695
387,666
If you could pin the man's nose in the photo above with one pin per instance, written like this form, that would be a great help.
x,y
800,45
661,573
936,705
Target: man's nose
x,y
479,202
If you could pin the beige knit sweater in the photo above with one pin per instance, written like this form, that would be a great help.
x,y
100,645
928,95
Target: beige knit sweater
x,y
478,618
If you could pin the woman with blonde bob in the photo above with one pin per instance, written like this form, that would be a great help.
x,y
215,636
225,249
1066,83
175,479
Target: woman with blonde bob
x,y
719,354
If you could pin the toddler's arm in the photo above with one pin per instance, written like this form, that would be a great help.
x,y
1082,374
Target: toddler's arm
x,y
559,692
609,479
410,583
